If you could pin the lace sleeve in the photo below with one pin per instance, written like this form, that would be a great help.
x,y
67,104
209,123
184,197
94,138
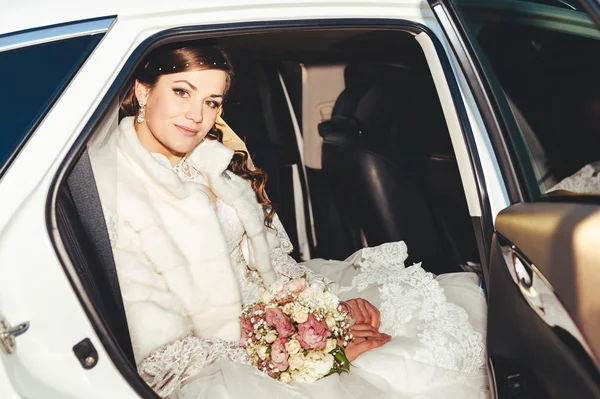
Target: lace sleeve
x,y
170,367
283,263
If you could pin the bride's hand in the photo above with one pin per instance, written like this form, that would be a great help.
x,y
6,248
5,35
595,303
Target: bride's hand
x,y
364,312
365,338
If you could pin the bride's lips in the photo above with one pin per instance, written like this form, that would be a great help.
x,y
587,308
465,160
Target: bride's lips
x,y
187,131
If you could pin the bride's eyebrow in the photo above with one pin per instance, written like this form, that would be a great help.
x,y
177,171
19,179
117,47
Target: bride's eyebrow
x,y
188,83
196,89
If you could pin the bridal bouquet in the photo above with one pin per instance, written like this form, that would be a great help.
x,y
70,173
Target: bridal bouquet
x,y
297,332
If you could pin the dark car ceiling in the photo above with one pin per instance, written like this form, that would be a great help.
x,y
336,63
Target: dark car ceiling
x,y
327,46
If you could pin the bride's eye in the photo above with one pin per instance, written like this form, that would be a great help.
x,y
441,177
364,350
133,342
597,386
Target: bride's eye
x,y
213,104
181,93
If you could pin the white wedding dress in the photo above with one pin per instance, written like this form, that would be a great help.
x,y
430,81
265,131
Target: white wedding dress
x,y
438,325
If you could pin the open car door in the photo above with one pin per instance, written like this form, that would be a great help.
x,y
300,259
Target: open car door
x,y
530,66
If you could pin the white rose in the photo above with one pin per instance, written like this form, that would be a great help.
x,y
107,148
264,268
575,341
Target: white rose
x,y
306,376
293,346
271,337
285,378
318,286
295,362
330,320
300,315
313,357
330,300
331,344
288,308
320,363
261,351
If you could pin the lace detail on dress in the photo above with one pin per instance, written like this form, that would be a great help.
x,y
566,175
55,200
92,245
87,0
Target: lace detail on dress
x,y
251,284
285,244
233,230
285,265
170,367
586,180
379,264
413,303
187,172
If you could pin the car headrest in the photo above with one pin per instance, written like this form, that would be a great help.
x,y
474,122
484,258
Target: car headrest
x,y
362,111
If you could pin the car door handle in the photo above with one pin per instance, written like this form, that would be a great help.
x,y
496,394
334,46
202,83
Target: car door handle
x,y
522,270
525,280
540,295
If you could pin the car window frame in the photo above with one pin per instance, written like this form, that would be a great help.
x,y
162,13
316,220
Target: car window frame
x,y
14,41
505,133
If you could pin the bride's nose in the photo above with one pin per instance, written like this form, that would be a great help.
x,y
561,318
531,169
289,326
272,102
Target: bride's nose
x,y
194,113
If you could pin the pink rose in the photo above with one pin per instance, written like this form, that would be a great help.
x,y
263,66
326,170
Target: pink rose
x,y
279,354
282,323
247,328
291,289
313,334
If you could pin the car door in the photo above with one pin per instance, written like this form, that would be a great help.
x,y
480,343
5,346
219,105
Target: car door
x,y
48,347
531,68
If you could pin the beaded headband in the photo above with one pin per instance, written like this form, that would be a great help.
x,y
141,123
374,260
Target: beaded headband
x,y
174,67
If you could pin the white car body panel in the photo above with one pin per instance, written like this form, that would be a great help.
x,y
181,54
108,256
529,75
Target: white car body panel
x,y
33,284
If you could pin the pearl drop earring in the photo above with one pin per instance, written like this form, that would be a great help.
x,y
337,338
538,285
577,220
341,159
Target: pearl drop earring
x,y
141,116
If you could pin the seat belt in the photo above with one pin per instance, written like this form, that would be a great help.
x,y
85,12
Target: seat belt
x,y
84,192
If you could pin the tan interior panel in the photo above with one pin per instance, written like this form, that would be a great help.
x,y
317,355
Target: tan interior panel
x,y
321,86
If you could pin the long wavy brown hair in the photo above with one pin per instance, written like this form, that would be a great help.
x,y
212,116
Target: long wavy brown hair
x,y
193,57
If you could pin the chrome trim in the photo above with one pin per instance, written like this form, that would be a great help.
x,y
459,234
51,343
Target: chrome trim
x,y
541,297
53,33
492,383
567,5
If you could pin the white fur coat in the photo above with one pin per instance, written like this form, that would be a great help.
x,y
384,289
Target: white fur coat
x,y
171,256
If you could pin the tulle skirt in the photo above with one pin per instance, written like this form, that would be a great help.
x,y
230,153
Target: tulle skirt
x,y
429,317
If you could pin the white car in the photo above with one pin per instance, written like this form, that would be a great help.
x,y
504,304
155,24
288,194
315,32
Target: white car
x,y
458,118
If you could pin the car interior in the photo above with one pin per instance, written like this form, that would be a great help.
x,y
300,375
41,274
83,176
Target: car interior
x,y
367,135
349,127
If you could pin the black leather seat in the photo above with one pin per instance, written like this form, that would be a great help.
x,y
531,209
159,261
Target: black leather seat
x,y
395,177
376,196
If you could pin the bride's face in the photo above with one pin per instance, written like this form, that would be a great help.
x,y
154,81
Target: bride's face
x,y
179,111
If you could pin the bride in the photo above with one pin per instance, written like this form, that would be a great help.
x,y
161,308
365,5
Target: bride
x,y
195,238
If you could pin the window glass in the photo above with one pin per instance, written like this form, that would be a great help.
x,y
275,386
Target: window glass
x,y
33,78
543,58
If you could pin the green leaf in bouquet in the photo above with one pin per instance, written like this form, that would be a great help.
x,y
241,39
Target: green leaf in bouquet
x,y
341,363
